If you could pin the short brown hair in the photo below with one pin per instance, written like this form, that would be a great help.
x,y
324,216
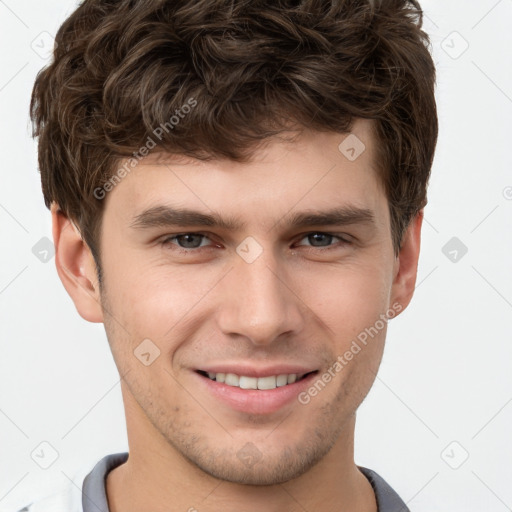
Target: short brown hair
x,y
252,67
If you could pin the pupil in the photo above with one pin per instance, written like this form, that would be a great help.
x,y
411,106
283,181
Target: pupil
x,y
317,237
189,241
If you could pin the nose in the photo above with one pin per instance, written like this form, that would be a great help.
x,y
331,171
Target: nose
x,y
258,301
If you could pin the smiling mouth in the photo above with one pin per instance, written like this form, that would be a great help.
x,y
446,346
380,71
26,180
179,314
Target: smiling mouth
x,y
261,383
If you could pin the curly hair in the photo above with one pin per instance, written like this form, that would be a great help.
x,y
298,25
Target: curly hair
x,y
250,69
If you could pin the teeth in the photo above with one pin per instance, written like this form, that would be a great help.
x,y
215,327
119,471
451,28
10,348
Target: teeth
x,y
232,380
282,380
267,382
244,382
248,382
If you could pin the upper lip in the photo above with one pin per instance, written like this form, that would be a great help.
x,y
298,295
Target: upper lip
x,y
254,371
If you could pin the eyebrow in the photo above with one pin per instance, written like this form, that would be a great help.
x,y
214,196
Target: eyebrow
x,y
166,216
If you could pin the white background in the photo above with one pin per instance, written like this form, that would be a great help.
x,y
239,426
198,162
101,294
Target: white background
x,y
446,374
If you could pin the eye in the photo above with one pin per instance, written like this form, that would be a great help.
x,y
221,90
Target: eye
x,y
186,240
192,242
319,239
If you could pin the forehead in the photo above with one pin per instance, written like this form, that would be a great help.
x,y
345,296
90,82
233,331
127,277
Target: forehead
x,y
313,170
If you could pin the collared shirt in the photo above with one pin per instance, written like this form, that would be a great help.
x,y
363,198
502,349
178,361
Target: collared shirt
x,y
94,495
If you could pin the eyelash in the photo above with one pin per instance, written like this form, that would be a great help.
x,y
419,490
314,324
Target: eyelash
x,y
169,242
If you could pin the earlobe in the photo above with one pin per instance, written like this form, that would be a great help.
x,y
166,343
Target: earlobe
x,y
76,267
407,263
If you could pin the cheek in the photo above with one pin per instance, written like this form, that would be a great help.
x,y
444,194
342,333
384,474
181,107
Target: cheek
x,y
347,298
154,299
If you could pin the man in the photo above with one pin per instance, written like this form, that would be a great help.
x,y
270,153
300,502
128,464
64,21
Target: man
x,y
237,192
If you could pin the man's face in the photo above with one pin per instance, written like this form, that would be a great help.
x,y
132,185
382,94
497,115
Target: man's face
x,y
266,298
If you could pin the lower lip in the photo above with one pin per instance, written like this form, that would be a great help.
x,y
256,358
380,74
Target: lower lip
x,y
255,401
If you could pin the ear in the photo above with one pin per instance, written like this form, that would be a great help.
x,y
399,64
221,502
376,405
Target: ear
x,y
406,264
76,267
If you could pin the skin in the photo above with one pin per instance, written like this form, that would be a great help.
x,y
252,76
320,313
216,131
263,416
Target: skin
x,y
296,303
